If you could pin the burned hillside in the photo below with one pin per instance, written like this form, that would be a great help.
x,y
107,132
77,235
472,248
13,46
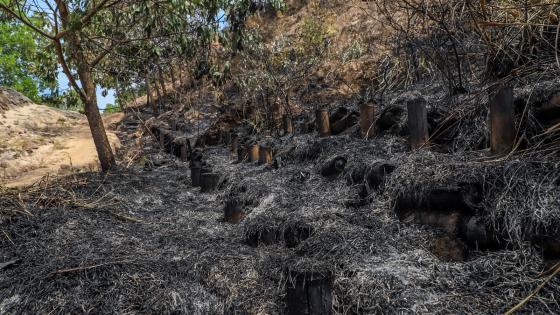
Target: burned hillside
x,y
360,157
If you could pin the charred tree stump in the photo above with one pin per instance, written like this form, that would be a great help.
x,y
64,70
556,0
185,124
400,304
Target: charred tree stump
x,y
294,235
229,137
254,152
175,146
338,127
233,211
309,293
155,132
333,167
466,199
477,234
195,176
265,155
418,123
196,157
242,154
162,132
184,151
449,249
502,124
377,172
166,140
343,124
549,244
234,146
209,182
287,124
169,142
390,119
322,121
196,168
337,114
184,148
367,117
262,236
454,211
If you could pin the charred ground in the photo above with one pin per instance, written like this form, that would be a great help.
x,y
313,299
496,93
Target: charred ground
x,y
143,240
444,229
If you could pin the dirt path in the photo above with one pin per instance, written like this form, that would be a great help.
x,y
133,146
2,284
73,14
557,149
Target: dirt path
x,y
37,140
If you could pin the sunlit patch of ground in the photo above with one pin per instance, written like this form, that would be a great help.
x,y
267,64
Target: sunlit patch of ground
x,y
37,140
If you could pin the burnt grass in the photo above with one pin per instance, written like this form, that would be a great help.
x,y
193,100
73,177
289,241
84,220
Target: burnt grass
x,y
143,240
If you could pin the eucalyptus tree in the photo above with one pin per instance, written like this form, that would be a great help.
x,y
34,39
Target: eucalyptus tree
x,y
83,34
140,36
80,43
174,34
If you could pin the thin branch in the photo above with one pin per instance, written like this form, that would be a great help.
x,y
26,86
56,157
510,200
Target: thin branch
x,y
66,69
25,21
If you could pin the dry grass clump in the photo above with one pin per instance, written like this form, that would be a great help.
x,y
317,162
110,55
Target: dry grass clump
x,y
469,42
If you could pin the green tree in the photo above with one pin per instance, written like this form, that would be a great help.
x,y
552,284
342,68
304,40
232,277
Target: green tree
x,y
144,34
25,64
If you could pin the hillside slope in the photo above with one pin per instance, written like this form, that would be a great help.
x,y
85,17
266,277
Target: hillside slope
x,y
36,140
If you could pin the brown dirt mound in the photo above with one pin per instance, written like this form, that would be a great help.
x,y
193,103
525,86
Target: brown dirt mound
x,y
37,140
10,98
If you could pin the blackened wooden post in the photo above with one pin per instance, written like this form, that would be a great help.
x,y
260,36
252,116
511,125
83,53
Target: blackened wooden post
x,y
502,124
195,174
338,126
287,124
168,141
242,153
177,146
209,182
309,293
265,155
234,146
254,152
162,134
227,137
333,167
189,148
184,151
184,148
322,121
367,116
155,132
418,123
343,124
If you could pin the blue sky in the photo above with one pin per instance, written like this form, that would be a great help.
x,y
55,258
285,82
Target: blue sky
x,y
102,101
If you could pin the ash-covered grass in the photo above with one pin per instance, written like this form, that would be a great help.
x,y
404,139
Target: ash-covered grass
x,y
145,241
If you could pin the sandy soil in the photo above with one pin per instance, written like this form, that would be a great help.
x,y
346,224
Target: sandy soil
x,y
37,140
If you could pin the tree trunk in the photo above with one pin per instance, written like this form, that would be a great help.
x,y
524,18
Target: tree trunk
x,y
158,92
102,145
161,80
173,78
150,101
182,82
87,92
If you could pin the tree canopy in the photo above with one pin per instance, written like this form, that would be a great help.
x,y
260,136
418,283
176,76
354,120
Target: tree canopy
x,y
26,62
